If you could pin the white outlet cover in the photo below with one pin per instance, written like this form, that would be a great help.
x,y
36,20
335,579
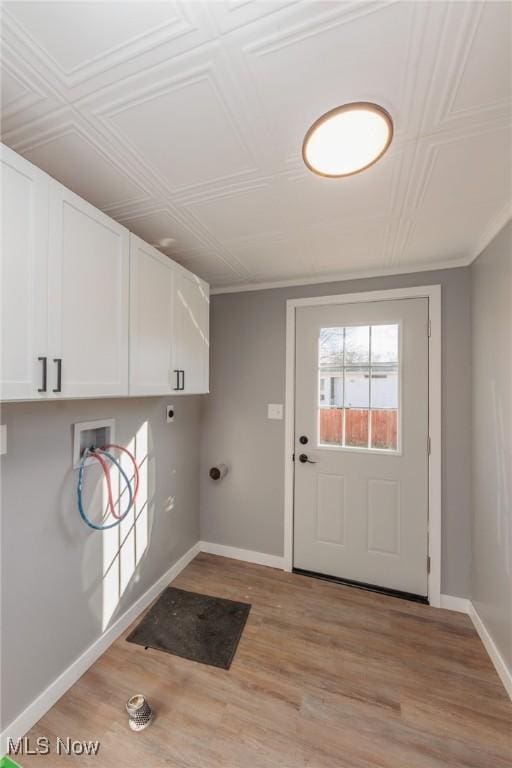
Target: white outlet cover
x,y
275,411
167,409
3,439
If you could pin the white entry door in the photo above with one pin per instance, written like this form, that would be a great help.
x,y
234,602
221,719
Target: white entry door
x,y
361,443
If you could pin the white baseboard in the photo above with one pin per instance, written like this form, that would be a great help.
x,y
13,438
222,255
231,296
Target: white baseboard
x,y
260,558
453,603
464,605
504,673
24,722
58,688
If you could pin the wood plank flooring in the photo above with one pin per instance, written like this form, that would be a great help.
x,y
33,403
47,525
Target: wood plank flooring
x,y
325,676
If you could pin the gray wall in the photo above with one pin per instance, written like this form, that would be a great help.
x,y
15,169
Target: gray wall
x,y
51,562
248,371
492,443
55,612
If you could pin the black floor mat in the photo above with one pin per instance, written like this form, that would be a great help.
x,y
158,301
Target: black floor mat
x,y
196,627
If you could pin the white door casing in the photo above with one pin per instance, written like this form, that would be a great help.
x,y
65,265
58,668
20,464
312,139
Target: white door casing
x,y
433,294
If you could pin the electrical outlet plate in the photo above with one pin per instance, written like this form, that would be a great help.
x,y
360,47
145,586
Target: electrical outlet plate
x,y
275,411
169,413
87,434
3,439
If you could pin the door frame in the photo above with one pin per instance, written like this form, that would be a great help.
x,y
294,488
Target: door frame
x,y
433,294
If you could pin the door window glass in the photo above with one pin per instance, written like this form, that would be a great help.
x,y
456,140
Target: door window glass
x,y
358,390
357,344
384,344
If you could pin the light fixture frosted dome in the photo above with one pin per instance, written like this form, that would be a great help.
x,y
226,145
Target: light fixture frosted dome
x,y
347,139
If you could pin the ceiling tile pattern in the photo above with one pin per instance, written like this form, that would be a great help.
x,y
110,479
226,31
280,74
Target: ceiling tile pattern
x,y
184,121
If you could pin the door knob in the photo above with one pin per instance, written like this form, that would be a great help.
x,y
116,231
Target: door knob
x,y
304,459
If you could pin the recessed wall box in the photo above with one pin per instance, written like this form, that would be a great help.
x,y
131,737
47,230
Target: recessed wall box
x,y
91,434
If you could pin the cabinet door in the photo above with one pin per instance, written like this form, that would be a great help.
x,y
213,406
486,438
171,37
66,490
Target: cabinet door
x,y
151,320
191,313
24,289
88,299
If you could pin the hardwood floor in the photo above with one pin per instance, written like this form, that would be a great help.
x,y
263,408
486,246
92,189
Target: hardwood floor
x,y
325,676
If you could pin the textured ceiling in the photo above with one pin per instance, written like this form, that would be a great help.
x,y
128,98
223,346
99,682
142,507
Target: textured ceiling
x,y
185,121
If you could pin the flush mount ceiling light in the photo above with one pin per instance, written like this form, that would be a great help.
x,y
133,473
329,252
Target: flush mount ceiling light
x,y
347,139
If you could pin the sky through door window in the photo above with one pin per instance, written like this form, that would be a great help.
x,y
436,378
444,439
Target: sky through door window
x,y
358,386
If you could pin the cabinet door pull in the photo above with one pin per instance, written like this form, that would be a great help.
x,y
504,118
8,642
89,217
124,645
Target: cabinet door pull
x,y
44,371
58,360
177,387
182,380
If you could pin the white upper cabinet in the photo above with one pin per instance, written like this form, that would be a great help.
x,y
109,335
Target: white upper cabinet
x,y
151,320
169,321
191,307
24,358
88,299
87,311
